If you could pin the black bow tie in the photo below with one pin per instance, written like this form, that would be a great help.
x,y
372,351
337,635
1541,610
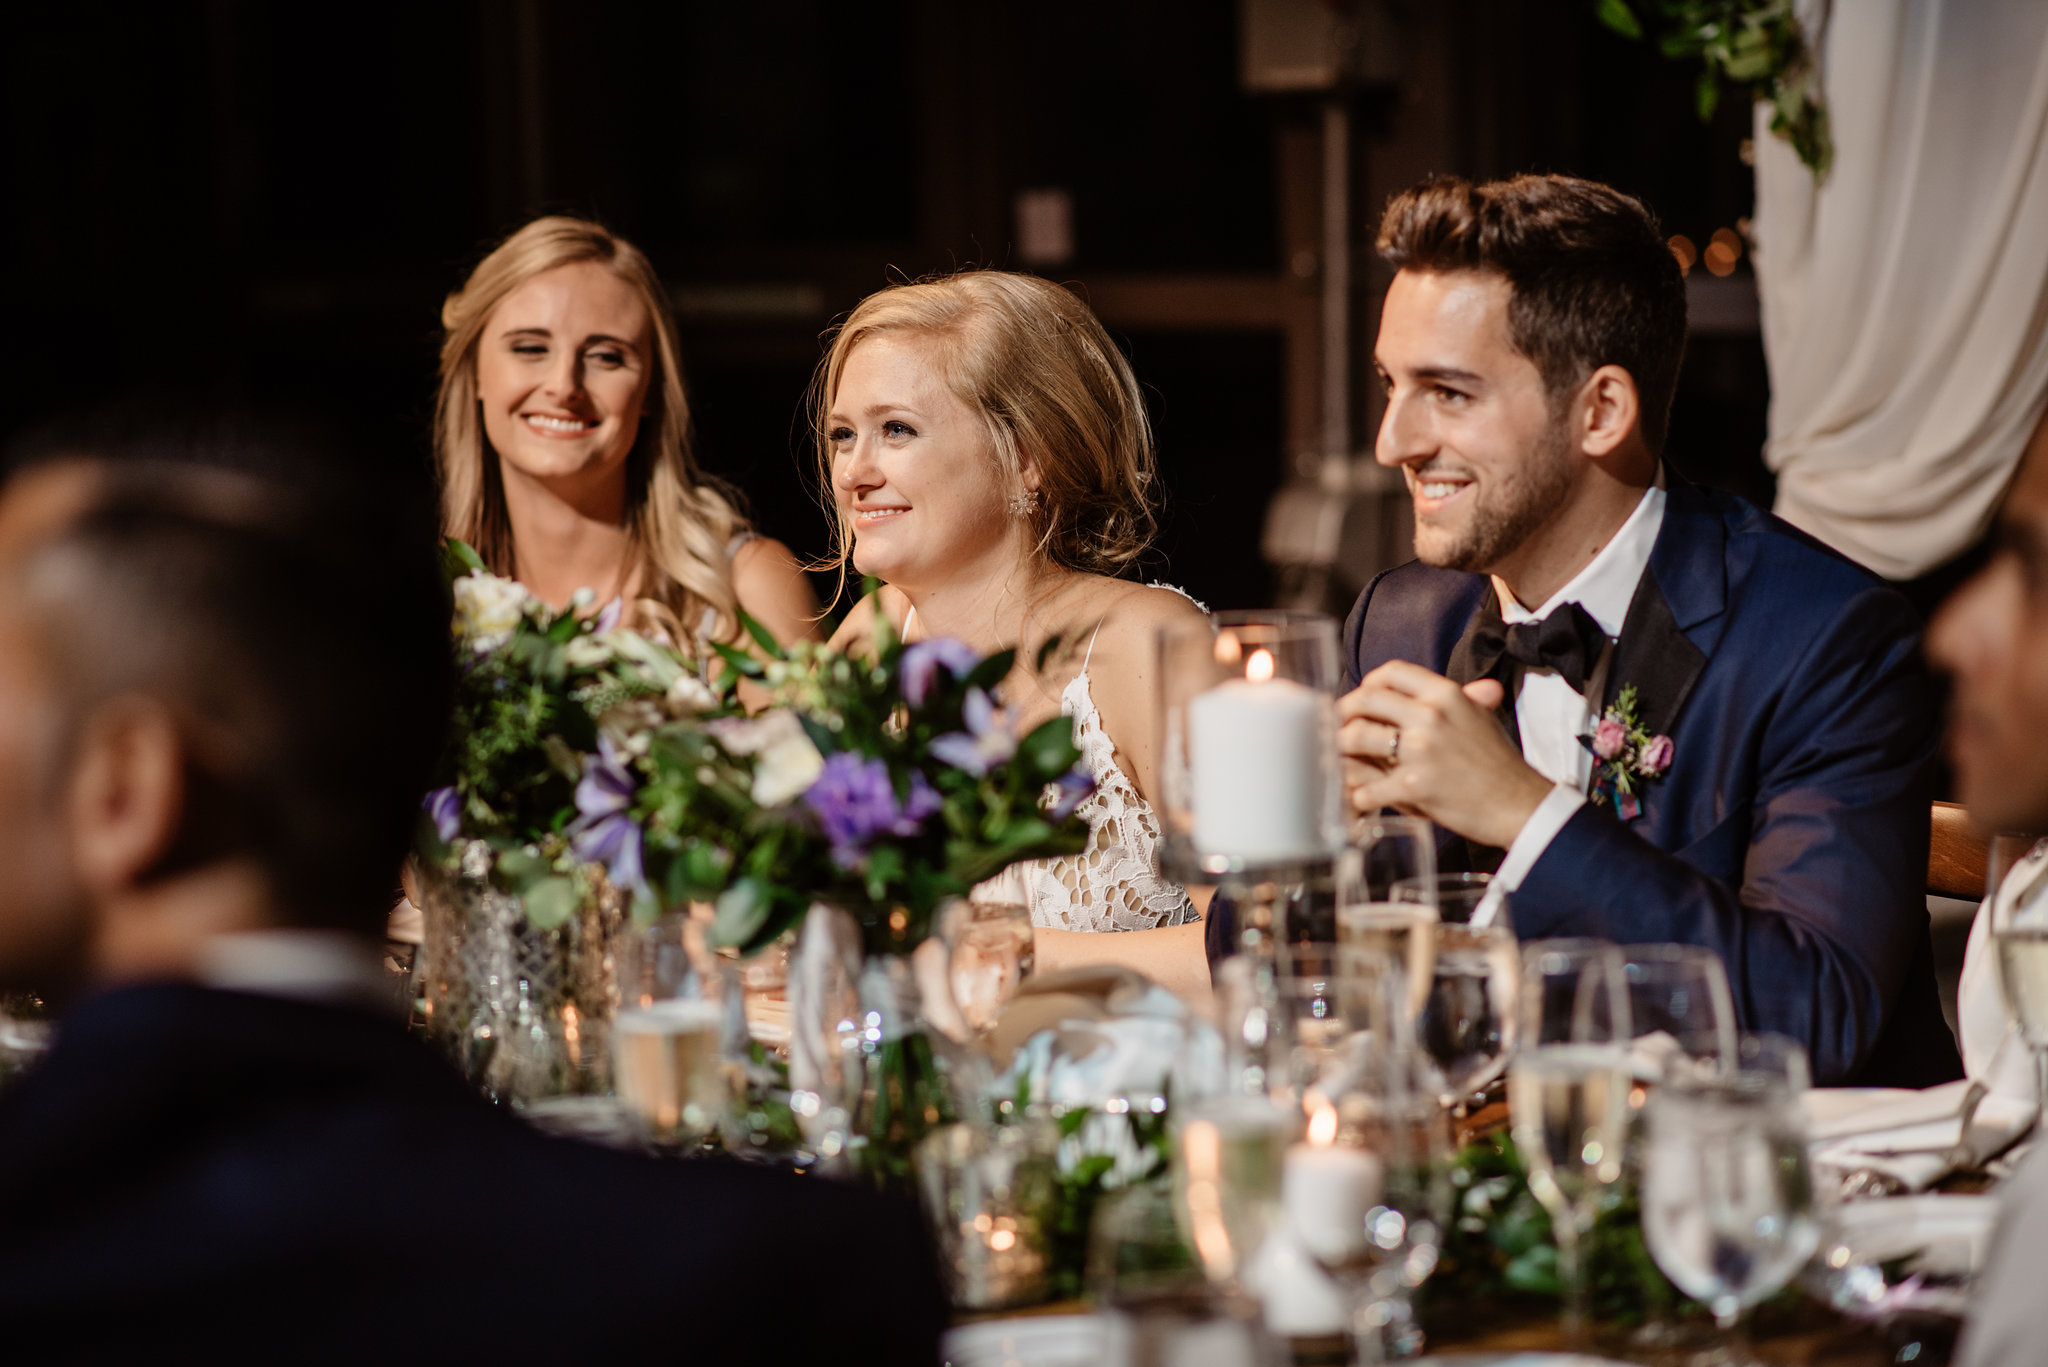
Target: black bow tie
x,y
1568,641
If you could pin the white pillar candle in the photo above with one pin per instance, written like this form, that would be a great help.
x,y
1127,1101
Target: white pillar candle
x,y
1255,749
1327,1191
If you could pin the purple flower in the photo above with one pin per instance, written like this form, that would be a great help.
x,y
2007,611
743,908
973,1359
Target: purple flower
x,y
987,741
608,617
855,802
1610,738
444,809
918,670
1075,787
603,832
1656,756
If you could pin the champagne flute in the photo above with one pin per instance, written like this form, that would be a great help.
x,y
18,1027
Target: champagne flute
x,y
1456,896
1568,1092
1229,1152
1387,851
1728,1200
1467,1023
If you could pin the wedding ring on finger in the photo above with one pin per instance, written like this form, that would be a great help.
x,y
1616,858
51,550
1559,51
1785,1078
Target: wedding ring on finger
x,y
1394,747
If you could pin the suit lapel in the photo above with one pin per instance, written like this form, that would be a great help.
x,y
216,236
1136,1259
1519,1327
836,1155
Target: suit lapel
x,y
1684,585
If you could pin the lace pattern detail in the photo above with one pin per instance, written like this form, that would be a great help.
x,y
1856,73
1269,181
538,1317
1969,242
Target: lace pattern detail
x,y
1112,884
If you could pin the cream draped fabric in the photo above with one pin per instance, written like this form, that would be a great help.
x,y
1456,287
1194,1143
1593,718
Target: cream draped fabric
x,y
1905,298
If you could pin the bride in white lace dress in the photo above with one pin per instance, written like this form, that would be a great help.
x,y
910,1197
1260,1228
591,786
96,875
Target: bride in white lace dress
x,y
988,453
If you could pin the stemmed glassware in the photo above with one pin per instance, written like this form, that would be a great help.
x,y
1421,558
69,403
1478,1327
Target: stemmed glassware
x,y
679,1035
1465,1022
1678,1000
1367,1195
1728,1200
1387,852
1568,1089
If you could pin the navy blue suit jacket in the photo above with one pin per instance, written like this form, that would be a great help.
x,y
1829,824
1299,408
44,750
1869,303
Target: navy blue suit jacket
x,y
1790,833
193,1175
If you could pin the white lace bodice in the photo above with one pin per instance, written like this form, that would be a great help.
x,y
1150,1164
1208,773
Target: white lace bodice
x,y
1112,884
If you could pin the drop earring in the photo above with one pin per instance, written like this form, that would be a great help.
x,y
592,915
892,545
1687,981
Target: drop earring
x,y
1024,502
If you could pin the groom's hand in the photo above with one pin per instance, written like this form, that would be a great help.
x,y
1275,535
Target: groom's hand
x,y
1453,765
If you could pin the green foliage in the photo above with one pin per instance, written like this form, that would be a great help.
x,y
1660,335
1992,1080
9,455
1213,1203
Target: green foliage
x,y
1499,1250
1753,45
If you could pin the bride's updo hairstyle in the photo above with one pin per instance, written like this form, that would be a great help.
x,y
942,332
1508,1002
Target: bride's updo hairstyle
x,y
1034,362
679,520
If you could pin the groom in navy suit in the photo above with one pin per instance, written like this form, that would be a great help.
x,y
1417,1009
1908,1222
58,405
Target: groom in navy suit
x,y
1662,713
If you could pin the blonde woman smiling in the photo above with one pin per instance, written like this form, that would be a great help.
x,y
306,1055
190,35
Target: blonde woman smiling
x,y
562,434
989,459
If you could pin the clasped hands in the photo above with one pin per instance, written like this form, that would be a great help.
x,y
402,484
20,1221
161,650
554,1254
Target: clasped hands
x,y
1452,762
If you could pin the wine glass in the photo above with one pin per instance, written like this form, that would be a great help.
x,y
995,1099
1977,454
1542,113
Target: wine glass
x,y
1467,1023
1568,1091
1229,1152
1387,851
1728,1200
1678,999
1457,897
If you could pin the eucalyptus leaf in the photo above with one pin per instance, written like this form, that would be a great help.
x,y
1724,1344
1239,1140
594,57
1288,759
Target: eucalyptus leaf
x,y
1618,16
763,637
550,902
739,660
742,909
517,870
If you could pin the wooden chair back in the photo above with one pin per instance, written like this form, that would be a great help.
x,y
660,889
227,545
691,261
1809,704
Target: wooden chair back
x,y
1958,856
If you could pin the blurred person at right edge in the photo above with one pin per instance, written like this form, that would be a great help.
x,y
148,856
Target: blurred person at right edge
x,y
1992,638
217,715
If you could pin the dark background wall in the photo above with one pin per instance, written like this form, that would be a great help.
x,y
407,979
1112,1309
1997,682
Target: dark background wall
x,y
266,202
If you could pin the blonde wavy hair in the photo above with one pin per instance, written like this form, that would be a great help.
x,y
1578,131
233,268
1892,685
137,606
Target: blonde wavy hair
x,y
1037,366
679,521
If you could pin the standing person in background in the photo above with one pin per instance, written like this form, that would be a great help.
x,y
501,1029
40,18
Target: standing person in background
x,y
989,459
562,434
216,718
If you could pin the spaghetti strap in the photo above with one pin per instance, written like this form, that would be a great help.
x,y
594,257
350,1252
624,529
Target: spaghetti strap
x,y
1091,646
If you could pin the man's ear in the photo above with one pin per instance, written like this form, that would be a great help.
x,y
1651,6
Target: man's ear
x,y
1610,410
126,797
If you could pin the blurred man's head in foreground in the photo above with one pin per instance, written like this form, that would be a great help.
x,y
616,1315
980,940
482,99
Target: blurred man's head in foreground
x,y
221,694
1992,638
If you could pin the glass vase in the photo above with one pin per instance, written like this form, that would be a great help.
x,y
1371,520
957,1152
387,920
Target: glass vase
x,y
871,1071
523,1012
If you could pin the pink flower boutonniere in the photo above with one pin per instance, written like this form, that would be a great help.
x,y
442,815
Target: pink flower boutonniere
x,y
1627,755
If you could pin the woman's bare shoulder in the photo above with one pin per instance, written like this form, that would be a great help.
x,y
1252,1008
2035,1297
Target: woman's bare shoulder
x,y
1145,606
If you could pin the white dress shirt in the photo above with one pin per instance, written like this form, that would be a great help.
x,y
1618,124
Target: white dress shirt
x,y
1550,714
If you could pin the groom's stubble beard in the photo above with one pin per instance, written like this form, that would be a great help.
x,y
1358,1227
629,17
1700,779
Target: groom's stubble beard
x,y
1505,516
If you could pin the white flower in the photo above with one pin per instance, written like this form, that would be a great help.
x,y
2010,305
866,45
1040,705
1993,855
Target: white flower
x,y
488,610
587,652
788,763
689,695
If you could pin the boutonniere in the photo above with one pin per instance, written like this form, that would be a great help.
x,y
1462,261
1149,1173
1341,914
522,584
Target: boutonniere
x,y
1627,755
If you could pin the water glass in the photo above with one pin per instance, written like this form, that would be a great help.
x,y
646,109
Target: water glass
x,y
1728,1200
1568,1090
1229,1152
990,1193
680,1035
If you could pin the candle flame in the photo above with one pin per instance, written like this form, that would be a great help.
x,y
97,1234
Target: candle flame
x,y
1322,1127
1259,667
1228,649
1003,1240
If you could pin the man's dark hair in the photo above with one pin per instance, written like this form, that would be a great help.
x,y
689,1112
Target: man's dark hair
x,y
1593,283
291,612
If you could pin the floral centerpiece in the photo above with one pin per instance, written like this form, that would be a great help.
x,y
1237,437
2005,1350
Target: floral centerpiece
x,y
527,863
597,773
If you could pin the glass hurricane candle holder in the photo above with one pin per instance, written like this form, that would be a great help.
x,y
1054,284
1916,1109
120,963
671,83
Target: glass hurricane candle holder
x,y
1249,779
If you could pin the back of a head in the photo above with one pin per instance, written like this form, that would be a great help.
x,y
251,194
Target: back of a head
x,y
293,616
1593,282
1037,366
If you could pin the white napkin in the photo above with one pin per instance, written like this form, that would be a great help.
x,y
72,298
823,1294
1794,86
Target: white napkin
x,y
1908,1136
